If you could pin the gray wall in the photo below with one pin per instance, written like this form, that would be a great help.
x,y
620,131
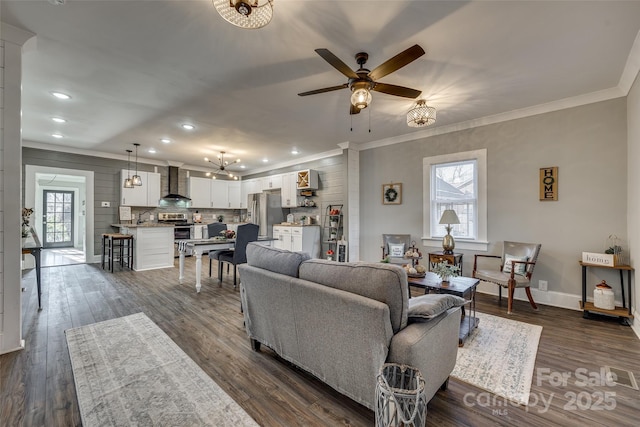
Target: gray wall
x,y
587,143
633,178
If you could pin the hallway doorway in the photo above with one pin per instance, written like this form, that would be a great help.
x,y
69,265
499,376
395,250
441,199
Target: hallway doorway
x,y
58,219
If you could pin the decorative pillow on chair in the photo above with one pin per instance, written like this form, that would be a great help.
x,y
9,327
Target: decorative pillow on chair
x,y
396,249
519,268
433,305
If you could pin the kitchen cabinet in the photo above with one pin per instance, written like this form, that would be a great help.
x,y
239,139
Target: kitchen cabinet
x,y
273,182
307,179
289,192
200,192
250,186
213,193
298,239
235,196
153,246
147,194
219,194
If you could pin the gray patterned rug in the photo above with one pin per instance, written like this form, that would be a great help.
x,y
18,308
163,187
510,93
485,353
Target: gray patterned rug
x,y
499,357
128,372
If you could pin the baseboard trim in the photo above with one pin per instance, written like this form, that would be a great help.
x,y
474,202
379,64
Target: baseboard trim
x,y
554,299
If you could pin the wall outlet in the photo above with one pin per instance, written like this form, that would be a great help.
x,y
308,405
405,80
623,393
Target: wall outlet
x,y
106,204
542,285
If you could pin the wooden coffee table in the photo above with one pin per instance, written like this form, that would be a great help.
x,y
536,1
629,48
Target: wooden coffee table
x,y
464,287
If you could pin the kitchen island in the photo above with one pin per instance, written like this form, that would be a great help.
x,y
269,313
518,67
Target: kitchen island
x,y
152,244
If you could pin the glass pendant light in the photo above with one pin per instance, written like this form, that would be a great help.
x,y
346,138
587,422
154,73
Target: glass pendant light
x,y
128,182
136,178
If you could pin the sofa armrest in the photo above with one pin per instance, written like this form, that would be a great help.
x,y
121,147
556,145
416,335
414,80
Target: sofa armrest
x,y
430,346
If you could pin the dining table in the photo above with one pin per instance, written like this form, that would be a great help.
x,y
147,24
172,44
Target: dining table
x,y
31,245
201,246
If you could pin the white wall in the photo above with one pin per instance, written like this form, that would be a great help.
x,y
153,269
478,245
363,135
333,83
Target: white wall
x,y
587,143
11,41
633,191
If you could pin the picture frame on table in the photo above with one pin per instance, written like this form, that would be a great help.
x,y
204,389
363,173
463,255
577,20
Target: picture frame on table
x,y
392,194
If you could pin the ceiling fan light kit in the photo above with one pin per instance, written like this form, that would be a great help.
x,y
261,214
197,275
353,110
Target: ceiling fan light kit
x,y
249,14
363,81
421,115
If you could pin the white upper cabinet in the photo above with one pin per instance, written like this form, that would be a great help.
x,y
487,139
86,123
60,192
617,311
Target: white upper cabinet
x,y
219,194
289,193
235,196
147,194
200,192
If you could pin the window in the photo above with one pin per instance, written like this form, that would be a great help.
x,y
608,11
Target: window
x,y
456,181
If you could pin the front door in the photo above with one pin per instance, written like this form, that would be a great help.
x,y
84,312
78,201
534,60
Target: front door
x,y
58,219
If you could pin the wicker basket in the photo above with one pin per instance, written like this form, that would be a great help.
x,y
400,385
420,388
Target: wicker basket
x,y
400,396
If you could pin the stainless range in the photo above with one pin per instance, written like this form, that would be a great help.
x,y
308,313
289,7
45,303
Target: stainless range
x,y
183,229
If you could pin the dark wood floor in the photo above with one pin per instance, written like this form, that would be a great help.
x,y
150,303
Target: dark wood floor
x,y
37,389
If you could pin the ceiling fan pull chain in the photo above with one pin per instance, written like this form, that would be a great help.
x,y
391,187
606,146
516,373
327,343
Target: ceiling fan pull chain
x,y
369,120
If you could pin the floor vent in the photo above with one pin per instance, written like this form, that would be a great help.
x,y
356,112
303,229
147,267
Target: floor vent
x,y
623,377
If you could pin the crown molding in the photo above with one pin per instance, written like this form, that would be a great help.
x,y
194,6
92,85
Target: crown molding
x,y
15,35
306,159
631,68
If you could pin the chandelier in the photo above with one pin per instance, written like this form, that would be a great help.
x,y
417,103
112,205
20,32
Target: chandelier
x,y
245,13
221,164
421,115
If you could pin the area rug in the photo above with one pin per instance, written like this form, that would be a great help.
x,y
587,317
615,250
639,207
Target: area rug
x,y
499,357
128,372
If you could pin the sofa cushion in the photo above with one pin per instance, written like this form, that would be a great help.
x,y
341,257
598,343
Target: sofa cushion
x,y
382,282
433,305
275,260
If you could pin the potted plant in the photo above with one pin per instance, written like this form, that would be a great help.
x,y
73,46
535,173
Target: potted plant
x,y
220,218
446,271
330,254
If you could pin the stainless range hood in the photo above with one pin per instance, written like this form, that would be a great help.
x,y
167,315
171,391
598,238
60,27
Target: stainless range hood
x,y
173,187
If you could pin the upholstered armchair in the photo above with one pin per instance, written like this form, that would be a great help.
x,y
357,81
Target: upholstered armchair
x,y
394,246
515,269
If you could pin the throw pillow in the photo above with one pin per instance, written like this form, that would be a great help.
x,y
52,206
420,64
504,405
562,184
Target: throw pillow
x,y
432,305
396,249
519,268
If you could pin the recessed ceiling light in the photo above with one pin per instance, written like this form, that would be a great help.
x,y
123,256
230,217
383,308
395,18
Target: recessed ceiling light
x,y
265,160
208,174
60,95
242,166
294,151
57,135
58,119
187,126
152,150
165,140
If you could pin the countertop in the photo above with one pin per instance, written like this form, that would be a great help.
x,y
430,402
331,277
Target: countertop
x,y
143,225
293,224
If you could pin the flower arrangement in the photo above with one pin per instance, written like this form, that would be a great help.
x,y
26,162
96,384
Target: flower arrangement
x,y
228,234
330,254
446,270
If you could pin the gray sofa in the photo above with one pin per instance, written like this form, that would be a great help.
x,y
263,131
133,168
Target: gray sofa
x,y
342,321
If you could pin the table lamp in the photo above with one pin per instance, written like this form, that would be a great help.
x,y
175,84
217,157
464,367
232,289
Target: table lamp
x,y
449,217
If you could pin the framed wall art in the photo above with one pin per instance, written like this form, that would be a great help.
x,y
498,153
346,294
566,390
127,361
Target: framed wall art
x,y
391,194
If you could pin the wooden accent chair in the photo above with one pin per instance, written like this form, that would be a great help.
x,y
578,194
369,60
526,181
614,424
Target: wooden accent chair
x,y
394,246
515,270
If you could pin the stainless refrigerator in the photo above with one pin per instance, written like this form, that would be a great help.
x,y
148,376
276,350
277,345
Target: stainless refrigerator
x,y
265,209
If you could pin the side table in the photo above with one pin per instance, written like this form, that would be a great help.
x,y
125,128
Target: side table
x,y
438,257
464,287
624,312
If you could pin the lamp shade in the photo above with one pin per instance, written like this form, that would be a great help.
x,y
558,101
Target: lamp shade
x,y
449,217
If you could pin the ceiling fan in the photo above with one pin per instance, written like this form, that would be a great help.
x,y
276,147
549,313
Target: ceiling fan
x,y
362,81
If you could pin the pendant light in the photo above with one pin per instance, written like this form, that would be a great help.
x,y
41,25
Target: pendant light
x,y
136,178
128,182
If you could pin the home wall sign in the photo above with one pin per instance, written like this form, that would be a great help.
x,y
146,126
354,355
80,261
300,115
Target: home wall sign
x,y
549,183
391,194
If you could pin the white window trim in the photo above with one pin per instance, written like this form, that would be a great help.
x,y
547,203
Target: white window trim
x,y
480,243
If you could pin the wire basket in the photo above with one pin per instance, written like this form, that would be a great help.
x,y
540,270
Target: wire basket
x,y
400,396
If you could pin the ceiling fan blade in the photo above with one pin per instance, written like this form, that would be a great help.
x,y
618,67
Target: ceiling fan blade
x,y
337,63
397,62
353,109
397,90
326,89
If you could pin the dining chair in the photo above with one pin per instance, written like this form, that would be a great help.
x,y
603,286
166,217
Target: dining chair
x,y
213,230
515,270
246,234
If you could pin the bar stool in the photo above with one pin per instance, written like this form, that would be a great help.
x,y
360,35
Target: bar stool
x,y
117,247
